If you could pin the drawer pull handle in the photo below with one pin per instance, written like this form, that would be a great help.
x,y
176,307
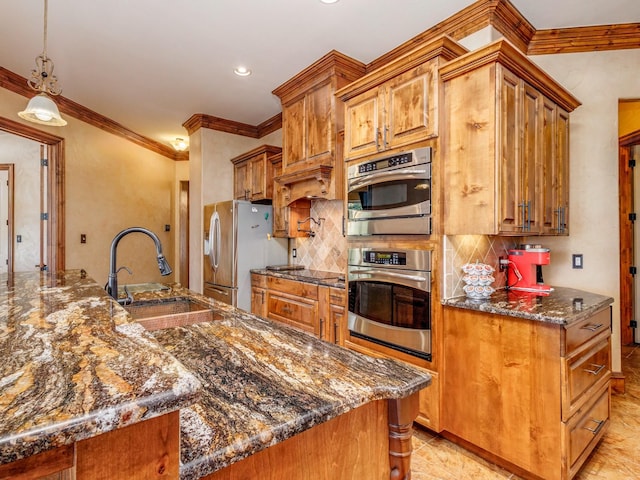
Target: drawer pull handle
x,y
286,309
598,427
592,326
596,370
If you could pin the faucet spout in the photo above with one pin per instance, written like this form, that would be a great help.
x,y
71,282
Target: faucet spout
x,y
163,265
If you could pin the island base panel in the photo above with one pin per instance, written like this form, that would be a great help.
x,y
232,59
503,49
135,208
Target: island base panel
x,y
145,450
353,445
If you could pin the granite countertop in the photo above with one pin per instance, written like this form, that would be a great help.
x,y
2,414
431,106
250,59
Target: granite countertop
x,y
78,366
319,277
264,382
75,366
558,307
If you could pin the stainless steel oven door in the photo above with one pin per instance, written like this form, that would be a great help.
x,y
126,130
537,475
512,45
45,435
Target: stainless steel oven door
x,y
391,307
389,202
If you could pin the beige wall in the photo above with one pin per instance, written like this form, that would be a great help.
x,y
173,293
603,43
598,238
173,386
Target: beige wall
x,y
111,184
211,173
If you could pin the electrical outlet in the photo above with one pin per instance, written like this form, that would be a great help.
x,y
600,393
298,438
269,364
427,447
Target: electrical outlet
x,y
83,238
503,263
294,252
576,260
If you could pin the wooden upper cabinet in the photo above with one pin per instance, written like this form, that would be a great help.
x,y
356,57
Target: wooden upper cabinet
x,y
311,121
253,174
506,158
396,105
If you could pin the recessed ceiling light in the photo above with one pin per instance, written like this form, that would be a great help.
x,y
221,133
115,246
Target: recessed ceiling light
x,y
328,2
242,71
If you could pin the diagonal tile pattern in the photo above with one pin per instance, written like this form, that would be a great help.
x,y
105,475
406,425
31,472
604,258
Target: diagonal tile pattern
x,y
435,458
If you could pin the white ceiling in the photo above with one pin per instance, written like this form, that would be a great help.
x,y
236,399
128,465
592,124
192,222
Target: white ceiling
x,y
151,64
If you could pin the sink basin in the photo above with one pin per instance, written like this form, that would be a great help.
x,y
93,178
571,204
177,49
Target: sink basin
x,y
170,312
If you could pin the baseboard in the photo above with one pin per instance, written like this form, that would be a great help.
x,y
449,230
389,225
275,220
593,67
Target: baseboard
x,y
617,383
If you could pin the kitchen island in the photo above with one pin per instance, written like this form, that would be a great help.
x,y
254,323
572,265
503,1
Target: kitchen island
x,y
538,367
243,385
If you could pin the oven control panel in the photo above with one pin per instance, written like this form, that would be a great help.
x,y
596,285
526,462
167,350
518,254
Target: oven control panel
x,y
385,258
385,163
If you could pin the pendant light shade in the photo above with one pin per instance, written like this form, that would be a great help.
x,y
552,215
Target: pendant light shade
x,y
41,109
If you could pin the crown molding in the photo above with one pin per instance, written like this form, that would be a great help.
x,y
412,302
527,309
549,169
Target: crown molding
x,y
500,14
201,120
585,39
18,84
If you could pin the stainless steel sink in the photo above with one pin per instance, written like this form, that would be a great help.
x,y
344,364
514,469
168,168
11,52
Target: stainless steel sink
x,y
171,312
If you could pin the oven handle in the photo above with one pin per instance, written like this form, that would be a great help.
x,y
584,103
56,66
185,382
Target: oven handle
x,y
381,273
388,176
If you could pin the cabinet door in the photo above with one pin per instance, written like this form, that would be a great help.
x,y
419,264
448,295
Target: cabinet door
x,y
319,125
555,170
258,301
241,188
362,124
410,108
510,212
293,131
519,135
529,159
336,324
258,178
548,208
562,170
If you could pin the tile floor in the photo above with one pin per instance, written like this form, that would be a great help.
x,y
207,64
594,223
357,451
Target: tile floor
x,y
616,458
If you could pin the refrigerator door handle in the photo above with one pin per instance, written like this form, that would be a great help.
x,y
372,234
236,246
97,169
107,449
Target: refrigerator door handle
x,y
218,239
211,239
218,290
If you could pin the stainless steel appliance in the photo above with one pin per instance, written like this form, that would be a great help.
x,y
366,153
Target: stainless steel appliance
x,y
390,298
391,194
237,238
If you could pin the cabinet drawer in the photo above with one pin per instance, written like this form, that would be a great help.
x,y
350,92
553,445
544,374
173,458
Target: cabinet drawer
x,y
585,330
292,287
293,311
337,296
585,430
582,372
259,281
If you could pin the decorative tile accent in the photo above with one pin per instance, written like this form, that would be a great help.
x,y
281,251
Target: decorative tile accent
x,y
461,249
327,250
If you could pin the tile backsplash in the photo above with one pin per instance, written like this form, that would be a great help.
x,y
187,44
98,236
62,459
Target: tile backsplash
x,y
327,250
461,249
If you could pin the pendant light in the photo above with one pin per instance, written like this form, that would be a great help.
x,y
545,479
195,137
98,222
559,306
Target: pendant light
x,y
41,108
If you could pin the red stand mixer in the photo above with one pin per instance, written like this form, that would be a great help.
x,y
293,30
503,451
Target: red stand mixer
x,y
525,269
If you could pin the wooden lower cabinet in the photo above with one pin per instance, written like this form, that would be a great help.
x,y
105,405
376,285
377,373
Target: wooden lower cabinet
x,y
144,450
317,309
533,396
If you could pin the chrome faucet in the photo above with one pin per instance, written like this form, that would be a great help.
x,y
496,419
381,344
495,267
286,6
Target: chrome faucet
x,y
112,283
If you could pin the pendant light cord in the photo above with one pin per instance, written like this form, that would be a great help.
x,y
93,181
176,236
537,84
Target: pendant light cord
x,y
44,51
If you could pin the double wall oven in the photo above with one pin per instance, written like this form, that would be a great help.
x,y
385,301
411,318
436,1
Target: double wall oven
x,y
390,298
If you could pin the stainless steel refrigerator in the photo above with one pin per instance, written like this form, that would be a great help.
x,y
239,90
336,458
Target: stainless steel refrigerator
x,y
237,238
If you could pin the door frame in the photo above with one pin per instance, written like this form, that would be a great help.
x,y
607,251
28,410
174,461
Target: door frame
x,y
626,206
55,246
9,168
